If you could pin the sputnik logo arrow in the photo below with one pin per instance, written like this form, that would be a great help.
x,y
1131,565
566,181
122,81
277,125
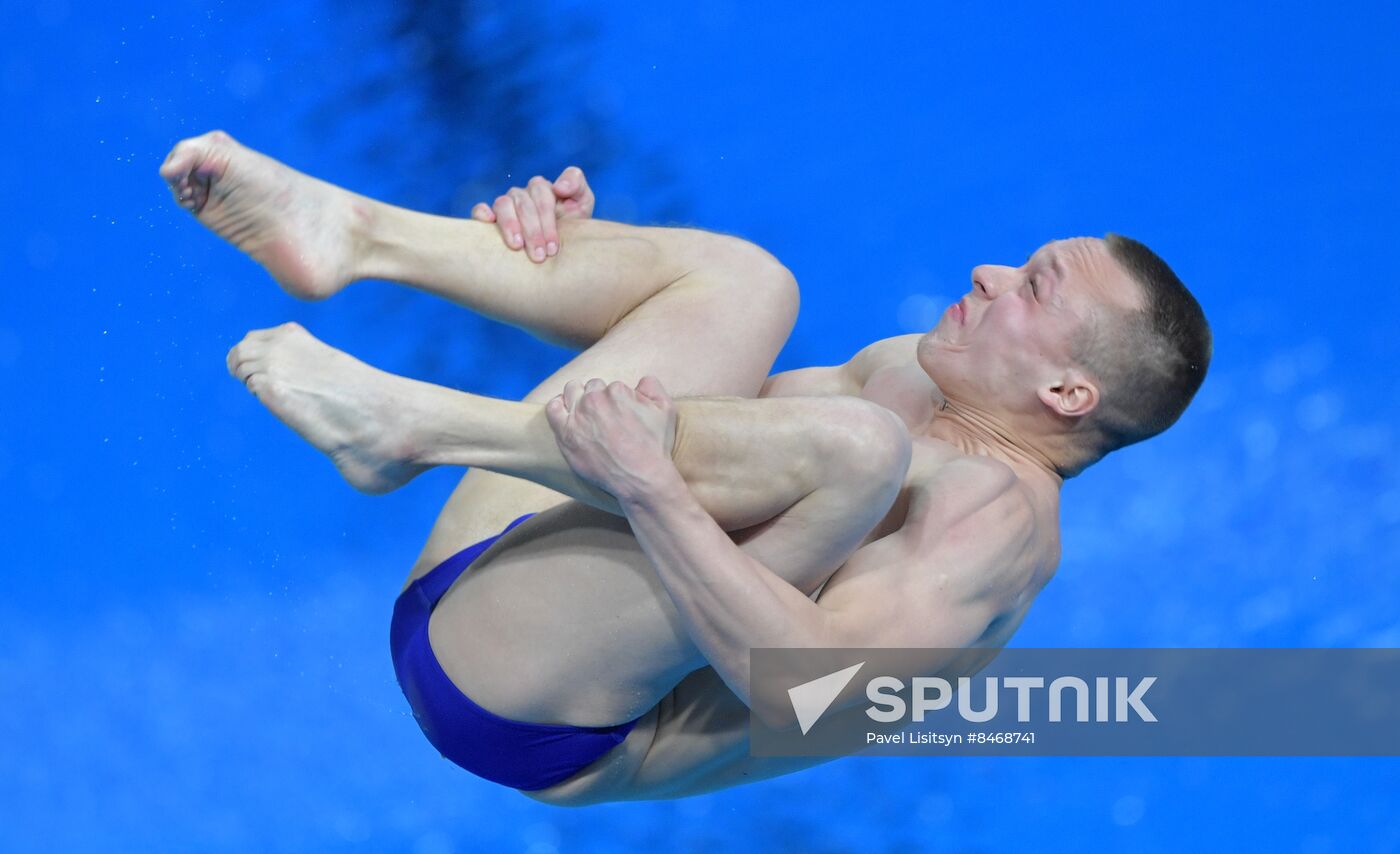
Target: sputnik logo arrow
x,y
810,700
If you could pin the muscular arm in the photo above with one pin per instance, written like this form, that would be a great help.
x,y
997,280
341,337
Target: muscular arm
x,y
933,584
941,571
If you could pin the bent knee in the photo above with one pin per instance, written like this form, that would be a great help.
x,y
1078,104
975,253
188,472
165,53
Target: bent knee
x,y
761,269
872,448
766,283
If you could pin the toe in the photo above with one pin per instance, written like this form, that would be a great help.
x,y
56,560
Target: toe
x,y
252,347
242,352
257,382
182,159
177,162
252,372
274,334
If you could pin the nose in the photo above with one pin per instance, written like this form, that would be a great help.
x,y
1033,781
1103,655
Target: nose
x,y
990,280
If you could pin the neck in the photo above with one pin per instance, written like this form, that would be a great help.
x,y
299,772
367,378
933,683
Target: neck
x,y
975,431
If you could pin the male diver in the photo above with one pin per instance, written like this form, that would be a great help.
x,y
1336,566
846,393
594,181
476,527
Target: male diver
x,y
578,625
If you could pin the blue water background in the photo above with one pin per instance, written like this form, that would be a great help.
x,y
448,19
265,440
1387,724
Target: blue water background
x,y
193,613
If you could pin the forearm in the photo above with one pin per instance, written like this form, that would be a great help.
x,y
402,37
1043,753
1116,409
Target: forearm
x,y
728,602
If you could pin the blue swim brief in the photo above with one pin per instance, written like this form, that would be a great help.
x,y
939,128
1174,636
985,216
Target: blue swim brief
x,y
524,756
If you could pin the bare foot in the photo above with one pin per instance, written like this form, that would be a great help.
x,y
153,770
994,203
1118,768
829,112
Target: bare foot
x,y
304,231
355,414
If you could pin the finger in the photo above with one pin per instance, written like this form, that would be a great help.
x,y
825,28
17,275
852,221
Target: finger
x,y
585,197
482,211
650,387
621,392
593,385
569,181
571,184
576,197
529,223
507,222
543,194
573,390
585,204
556,413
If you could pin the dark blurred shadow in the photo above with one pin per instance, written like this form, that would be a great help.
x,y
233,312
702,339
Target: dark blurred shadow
x,y
465,99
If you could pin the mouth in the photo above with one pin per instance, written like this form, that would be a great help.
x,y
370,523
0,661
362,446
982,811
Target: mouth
x,y
959,313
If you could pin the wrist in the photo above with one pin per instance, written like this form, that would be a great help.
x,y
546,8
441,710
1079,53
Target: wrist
x,y
660,487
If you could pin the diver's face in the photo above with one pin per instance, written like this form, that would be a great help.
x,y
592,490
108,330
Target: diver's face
x,y
1014,332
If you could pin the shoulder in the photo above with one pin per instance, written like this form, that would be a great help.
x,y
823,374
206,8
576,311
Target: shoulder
x,y
953,485
956,565
963,559
973,509
887,352
845,379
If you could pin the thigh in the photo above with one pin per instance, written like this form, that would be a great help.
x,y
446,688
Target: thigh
x,y
565,619
700,743
702,339
695,741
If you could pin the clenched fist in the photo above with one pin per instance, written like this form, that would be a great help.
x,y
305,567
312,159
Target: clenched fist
x,y
615,437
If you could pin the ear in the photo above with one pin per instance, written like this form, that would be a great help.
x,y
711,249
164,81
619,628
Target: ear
x,y
1073,396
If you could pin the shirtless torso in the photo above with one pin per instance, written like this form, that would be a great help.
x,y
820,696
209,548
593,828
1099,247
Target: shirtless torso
x,y
970,541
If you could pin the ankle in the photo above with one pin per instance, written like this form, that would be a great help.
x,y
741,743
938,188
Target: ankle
x,y
366,244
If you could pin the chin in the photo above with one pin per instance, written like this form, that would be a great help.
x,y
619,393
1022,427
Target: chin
x,y
930,354
923,351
